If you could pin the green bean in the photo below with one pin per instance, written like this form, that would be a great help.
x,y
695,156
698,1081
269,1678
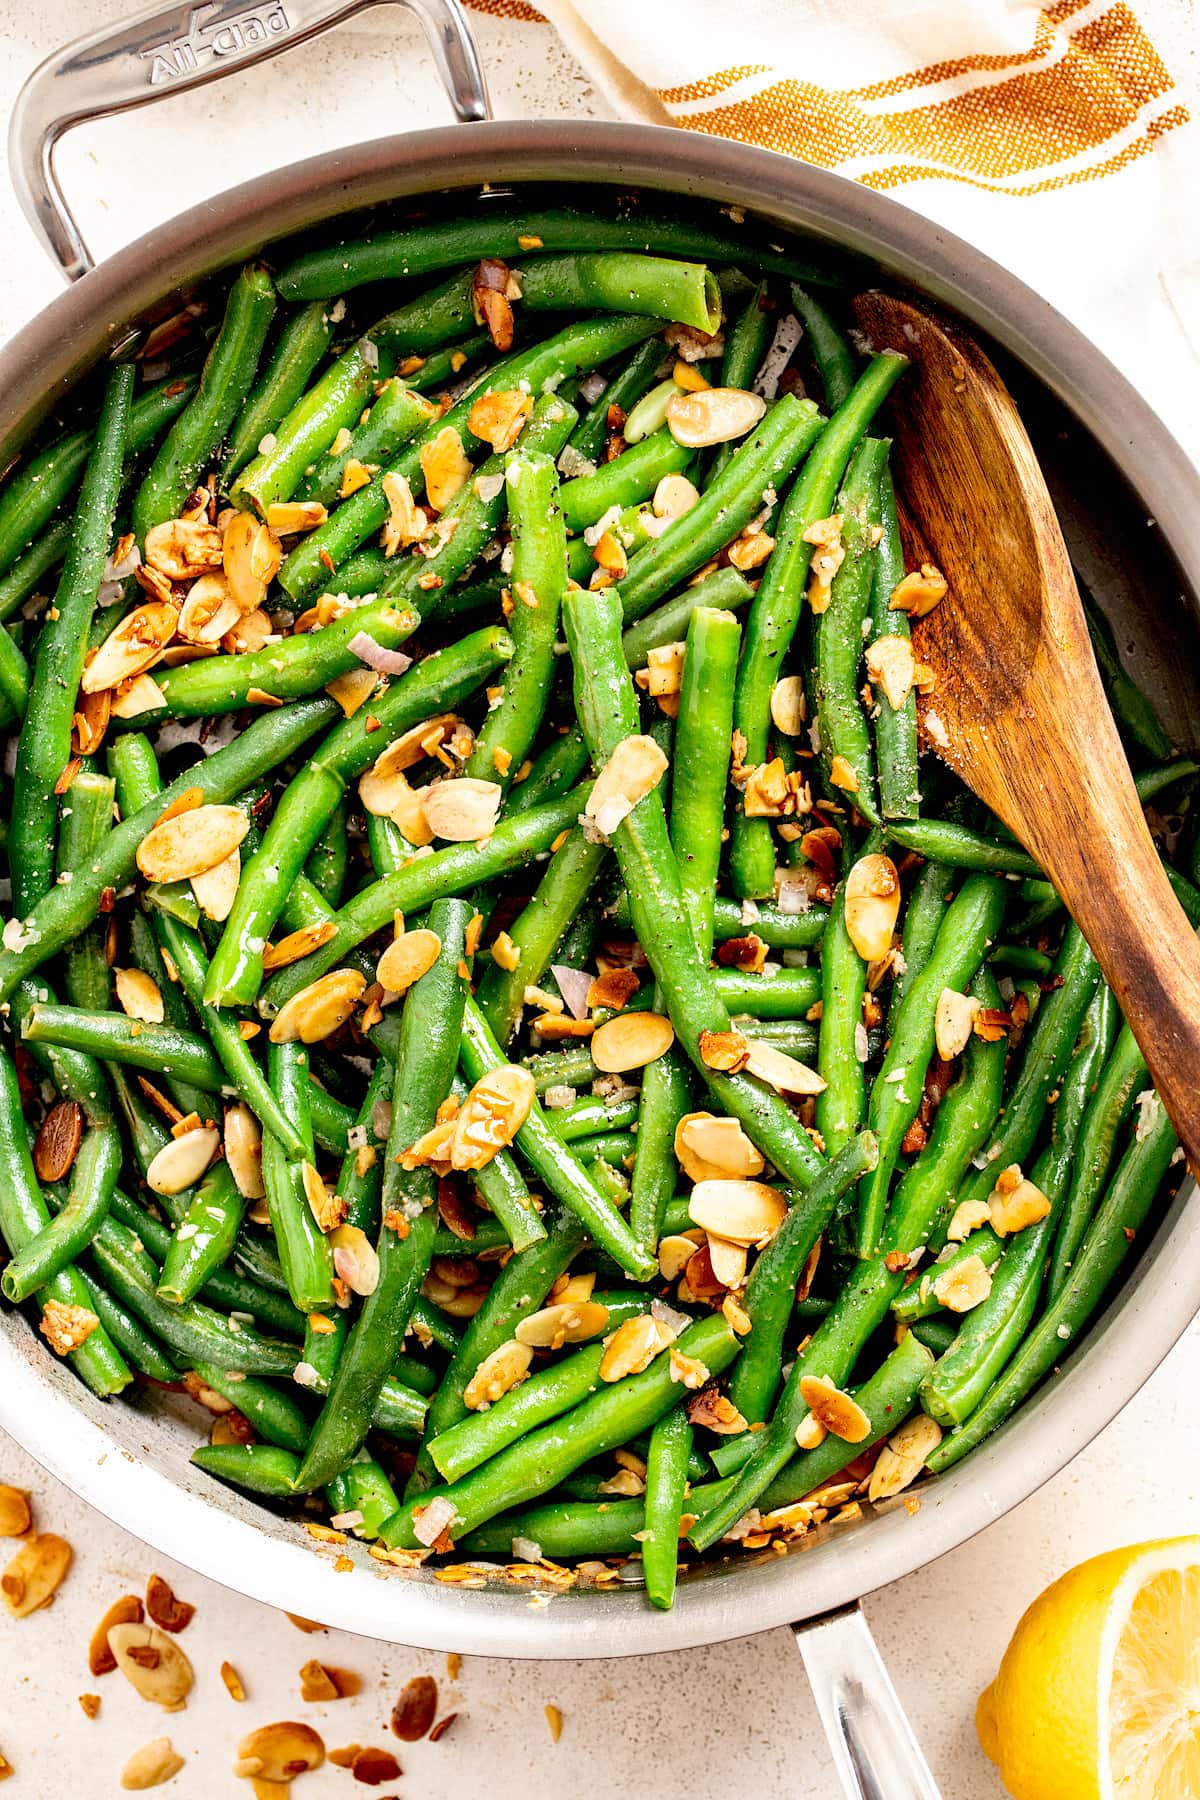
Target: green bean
x,y
128,1335
114,1036
762,461
44,746
842,1103
440,682
259,1468
626,388
895,726
1106,1245
543,1458
1023,959
970,923
399,1410
304,1250
272,1412
546,1394
746,341
631,477
570,875
328,861
224,1287
1150,783
305,434
14,677
397,415
86,820
362,1487
360,1183
1116,1088
956,847
666,1485
436,317
923,915
429,1043
1135,715
779,930
618,281
302,343
725,590
703,738
204,1238
196,434
775,611
561,1068
93,1177
492,232
838,631
831,352
411,889
44,554
586,1118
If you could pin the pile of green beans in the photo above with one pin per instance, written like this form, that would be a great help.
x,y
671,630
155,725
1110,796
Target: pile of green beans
x,y
587,1102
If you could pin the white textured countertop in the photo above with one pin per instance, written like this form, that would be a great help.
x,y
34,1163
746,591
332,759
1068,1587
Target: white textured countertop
x,y
733,1718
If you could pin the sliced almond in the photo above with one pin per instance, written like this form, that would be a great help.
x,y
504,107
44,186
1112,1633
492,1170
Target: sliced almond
x,y
34,1574
919,592
216,888
728,1261
634,769
872,906
954,1019
164,1606
319,1009
407,523
789,707
633,1346
57,1142
674,1255
462,810
153,1664
445,466
243,1151
141,695
279,1752
181,1163
745,1212
406,959
182,549
838,1412
66,1327
674,496
630,1041
964,1285
782,1072
139,996
287,518
191,843
728,1051
352,690
415,1709
664,670
503,1369
209,611
969,1215
355,1259
16,1515
298,944
715,1149
810,1432
150,1766
498,417
90,723
125,1611
571,1322
891,665
1016,1207
377,788
132,646
904,1456
328,1209
251,557
713,416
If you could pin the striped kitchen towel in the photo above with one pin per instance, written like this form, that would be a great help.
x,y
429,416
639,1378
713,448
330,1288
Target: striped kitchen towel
x,y
1052,136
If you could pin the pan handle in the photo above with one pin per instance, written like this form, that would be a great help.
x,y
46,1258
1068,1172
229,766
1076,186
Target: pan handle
x,y
175,47
874,1750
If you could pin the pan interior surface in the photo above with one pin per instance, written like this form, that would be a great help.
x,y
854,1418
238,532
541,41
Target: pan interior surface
x,y
1136,544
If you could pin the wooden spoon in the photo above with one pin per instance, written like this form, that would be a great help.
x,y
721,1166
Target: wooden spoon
x,y
1018,710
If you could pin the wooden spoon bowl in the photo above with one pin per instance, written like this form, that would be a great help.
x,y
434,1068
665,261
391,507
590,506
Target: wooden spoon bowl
x,y
1018,710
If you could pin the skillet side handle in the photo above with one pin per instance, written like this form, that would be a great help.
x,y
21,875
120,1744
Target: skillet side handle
x,y
874,1750
171,48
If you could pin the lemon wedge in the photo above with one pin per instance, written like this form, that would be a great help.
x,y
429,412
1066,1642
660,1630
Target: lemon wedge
x,y
1098,1695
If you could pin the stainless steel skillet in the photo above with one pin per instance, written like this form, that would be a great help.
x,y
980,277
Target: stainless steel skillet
x,y
1113,466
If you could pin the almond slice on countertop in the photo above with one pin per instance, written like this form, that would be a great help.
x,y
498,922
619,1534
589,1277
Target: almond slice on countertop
x,y
279,1752
34,1574
407,958
181,1163
125,1611
634,769
153,1663
713,416
872,906
415,1709
463,809
191,843
745,1212
132,646
16,1514
630,1041
319,1009
139,996
251,556
243,1151
216,888
152,1765
568,1322
164,1608
838,1412
781,1071
709,1148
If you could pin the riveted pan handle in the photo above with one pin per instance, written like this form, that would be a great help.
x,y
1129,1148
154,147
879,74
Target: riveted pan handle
x,y
874,1751
175,47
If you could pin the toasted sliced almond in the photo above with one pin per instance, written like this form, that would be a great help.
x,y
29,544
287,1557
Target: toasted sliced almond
x,y
664,670
233,1682
838,1412
872,905
498,418
16,1515
57,1142
139,996
328,1209
164,1606
352,690
571,1322
788,705
728,1261
674,496
728,1051
354,1259
319,1009
132,646
377,788
964,1285
191,843
34,1574
287,518
745,1212
298,944
633,1346
182,1162
810,1432
503,1369
904,1456
90,723
462,810
630,1041
1013,1209
715,1149
445,466
675,1252
216,889
891,665
150,1766
954,1018
634,769
66,1327
209,611
153,1664
243,1151
919,592
969,1215
141,695
406,959
714,416
125,1611
182,549
251,557
782,1072
279,1752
